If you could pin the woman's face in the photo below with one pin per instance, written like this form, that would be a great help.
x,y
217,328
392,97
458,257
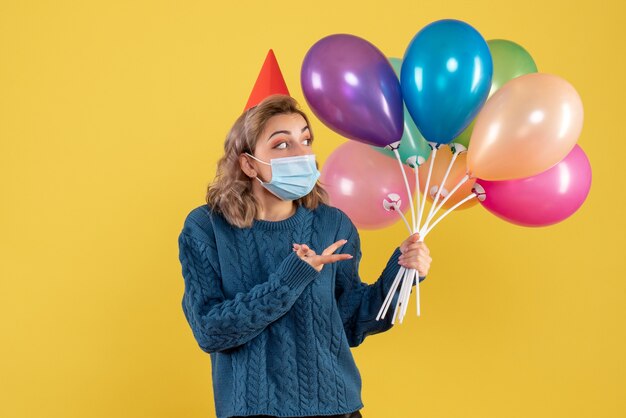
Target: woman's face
x,y
284,135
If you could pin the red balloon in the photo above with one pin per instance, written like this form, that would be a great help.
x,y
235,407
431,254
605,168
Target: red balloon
x,y
358,180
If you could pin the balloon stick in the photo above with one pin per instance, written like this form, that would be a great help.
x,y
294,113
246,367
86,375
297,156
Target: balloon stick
x,y
427,229
417,194
392,290
445,177
440,205
408,189
433,155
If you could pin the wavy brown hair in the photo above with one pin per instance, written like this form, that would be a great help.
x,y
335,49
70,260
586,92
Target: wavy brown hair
x,y
230,193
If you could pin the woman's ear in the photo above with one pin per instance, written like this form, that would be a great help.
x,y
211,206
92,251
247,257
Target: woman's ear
x,y
246,167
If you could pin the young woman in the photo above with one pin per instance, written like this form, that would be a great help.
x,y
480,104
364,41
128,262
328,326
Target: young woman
x,y
272,288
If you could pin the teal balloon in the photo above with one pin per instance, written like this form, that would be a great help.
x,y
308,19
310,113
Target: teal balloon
x,y
510,60
445,78
412,144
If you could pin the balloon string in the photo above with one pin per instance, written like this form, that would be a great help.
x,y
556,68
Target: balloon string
x,y
404,280
417,195
401,299
443,202
407,292
408,189
430,171
403,274
392,290
396,209
425,232
445,177
407,279
417,293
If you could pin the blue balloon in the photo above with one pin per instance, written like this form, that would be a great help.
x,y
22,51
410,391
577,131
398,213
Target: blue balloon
x,y
445,78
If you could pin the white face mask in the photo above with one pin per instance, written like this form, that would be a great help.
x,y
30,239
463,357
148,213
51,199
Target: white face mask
x,y
292,177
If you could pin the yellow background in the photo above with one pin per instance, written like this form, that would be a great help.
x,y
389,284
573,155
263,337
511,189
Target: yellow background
x,y
112,116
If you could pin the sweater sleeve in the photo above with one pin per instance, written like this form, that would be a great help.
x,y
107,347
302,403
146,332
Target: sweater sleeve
x,y
220,324
358,302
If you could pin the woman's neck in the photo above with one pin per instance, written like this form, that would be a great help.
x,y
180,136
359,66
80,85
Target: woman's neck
x,y
277,212
271,208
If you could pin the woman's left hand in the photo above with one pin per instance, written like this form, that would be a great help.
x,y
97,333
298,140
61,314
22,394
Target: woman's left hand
x,y
415,255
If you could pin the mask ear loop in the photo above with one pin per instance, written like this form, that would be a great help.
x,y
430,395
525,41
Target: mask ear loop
x,y
257,177
258,159
245,129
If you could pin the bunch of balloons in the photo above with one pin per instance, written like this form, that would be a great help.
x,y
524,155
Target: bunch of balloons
x,y
476,116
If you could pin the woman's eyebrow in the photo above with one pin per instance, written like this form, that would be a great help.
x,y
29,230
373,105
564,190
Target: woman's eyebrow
x,y
279,132
286,132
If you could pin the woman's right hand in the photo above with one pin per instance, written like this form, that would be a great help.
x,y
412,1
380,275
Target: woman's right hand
x,y
327,256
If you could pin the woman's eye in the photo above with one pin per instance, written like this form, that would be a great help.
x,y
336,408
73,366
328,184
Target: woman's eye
x,y
280,146
308,141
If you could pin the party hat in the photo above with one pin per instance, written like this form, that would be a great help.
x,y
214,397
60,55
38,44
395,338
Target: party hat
x,y
270,81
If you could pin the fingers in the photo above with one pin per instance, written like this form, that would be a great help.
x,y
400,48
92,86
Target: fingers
x,y
332,258
416,246
415,255
303,250
333,247
411,240
418,261
405,247
317,261
306,251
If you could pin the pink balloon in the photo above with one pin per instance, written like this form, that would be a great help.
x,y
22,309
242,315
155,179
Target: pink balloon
x,y
358,180
543,199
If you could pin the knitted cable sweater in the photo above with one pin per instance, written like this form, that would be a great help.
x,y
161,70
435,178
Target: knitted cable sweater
x,y
278,331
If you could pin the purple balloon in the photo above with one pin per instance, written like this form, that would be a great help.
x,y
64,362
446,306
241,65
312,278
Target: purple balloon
x,y
543,199
352,88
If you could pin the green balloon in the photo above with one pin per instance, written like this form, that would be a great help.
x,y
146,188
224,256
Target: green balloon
x,y
464,137
510,61
412,143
